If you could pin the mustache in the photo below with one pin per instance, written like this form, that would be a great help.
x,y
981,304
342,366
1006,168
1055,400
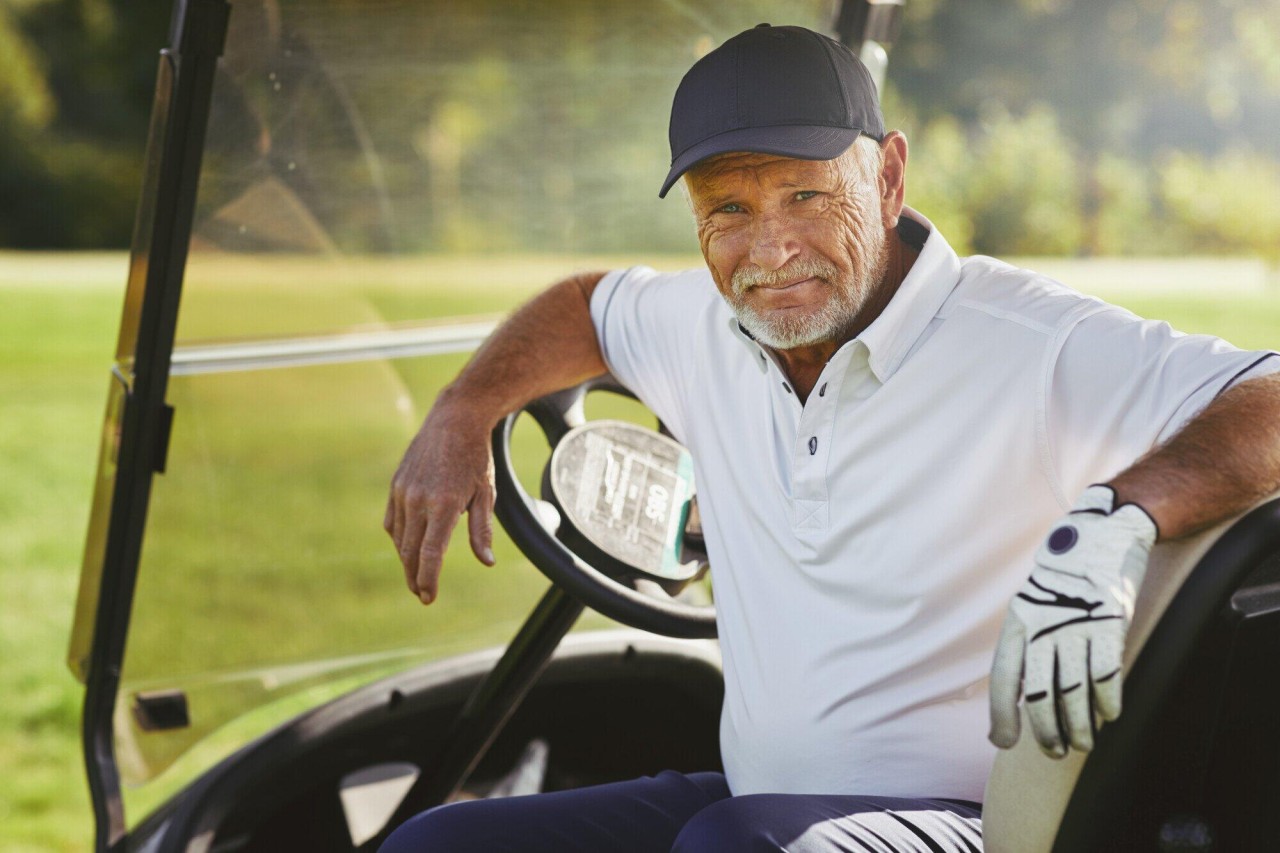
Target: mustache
x,y
748,277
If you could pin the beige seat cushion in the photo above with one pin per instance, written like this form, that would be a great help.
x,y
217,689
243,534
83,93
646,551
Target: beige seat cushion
x,y
1028,792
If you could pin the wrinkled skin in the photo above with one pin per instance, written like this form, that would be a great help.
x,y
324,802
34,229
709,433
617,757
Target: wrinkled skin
x,y
547,345
803,250
436,483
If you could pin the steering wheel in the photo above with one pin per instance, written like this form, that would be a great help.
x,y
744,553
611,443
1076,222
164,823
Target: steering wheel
x,y
589,536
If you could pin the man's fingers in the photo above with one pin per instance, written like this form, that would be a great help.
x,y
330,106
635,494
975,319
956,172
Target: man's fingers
x,y
480,526
1074,706
1106,652
447,469
1041,700
413,530
397,515
435,541
1006,683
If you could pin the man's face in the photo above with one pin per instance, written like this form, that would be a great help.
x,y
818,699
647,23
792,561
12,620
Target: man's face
x,y
795,246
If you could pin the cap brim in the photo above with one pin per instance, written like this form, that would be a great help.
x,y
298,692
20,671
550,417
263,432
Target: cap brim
x,y
803,142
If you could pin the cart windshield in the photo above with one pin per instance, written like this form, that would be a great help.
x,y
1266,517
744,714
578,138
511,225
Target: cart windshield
x,y
380,181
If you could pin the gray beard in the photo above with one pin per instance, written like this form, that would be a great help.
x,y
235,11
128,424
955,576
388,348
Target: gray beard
x,y
791,332
830,321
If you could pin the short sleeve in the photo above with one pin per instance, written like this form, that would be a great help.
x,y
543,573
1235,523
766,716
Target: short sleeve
x,y
646,323
1122,385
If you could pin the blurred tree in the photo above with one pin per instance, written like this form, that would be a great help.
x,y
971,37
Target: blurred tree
x,y
1036,125
25,98
1229,203
1148,95
75,88
1138,75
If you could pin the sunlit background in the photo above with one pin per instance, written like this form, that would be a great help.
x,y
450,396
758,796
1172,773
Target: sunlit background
x,y
1134,127
372,166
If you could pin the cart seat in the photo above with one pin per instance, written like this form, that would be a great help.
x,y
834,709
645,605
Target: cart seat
x,y
1193,763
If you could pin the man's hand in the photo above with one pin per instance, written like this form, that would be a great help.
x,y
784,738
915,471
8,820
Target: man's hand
x,y
1063,637
447,470
546,345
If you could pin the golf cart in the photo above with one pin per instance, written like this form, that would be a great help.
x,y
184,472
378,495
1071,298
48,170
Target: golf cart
x,y
320,178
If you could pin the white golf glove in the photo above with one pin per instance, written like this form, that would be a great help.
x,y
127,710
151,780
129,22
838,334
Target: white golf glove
x,y
1063,638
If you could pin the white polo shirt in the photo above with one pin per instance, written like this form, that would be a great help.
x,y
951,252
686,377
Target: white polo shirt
x,y
864,546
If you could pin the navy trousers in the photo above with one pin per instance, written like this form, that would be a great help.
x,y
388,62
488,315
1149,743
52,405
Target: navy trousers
x,y
693,813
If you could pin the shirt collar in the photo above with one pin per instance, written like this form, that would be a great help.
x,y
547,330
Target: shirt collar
x,y
919,297
757,351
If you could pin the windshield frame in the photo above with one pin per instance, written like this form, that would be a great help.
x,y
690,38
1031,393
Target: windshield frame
x,y
138,417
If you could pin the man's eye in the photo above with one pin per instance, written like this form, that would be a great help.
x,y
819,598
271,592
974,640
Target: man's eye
x,y
805,195
731,207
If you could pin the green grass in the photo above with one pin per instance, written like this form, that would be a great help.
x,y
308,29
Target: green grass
x,y
314,446
56,340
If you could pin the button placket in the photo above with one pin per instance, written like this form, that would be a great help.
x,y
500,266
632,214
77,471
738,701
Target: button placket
x,y
813,447
777,378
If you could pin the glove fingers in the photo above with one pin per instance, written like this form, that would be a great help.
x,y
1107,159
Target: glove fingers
x,y
1074,706
1041,699
1006,684
1105,652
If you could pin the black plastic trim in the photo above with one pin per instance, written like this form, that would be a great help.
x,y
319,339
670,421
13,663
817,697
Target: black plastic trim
x,y
198,33
164,428
489,708
368,713
857,21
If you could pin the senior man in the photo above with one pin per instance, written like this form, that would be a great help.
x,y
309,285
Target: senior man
x,y
886,438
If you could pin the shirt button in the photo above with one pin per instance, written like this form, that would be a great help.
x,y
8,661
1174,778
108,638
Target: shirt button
x,y
822,392
786,387
813,445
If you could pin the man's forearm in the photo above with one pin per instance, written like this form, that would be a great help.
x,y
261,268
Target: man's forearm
x,y
546,345
1221,463
1066,627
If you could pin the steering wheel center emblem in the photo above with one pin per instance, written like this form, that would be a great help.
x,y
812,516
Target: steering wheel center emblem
x,y
626,489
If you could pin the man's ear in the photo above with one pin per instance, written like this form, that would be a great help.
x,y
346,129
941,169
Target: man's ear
x,y
893,176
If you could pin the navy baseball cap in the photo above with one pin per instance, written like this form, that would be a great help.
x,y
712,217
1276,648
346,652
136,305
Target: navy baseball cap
x,y
772,90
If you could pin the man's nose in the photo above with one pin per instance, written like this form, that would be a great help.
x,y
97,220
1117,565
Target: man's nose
x,y
773,243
